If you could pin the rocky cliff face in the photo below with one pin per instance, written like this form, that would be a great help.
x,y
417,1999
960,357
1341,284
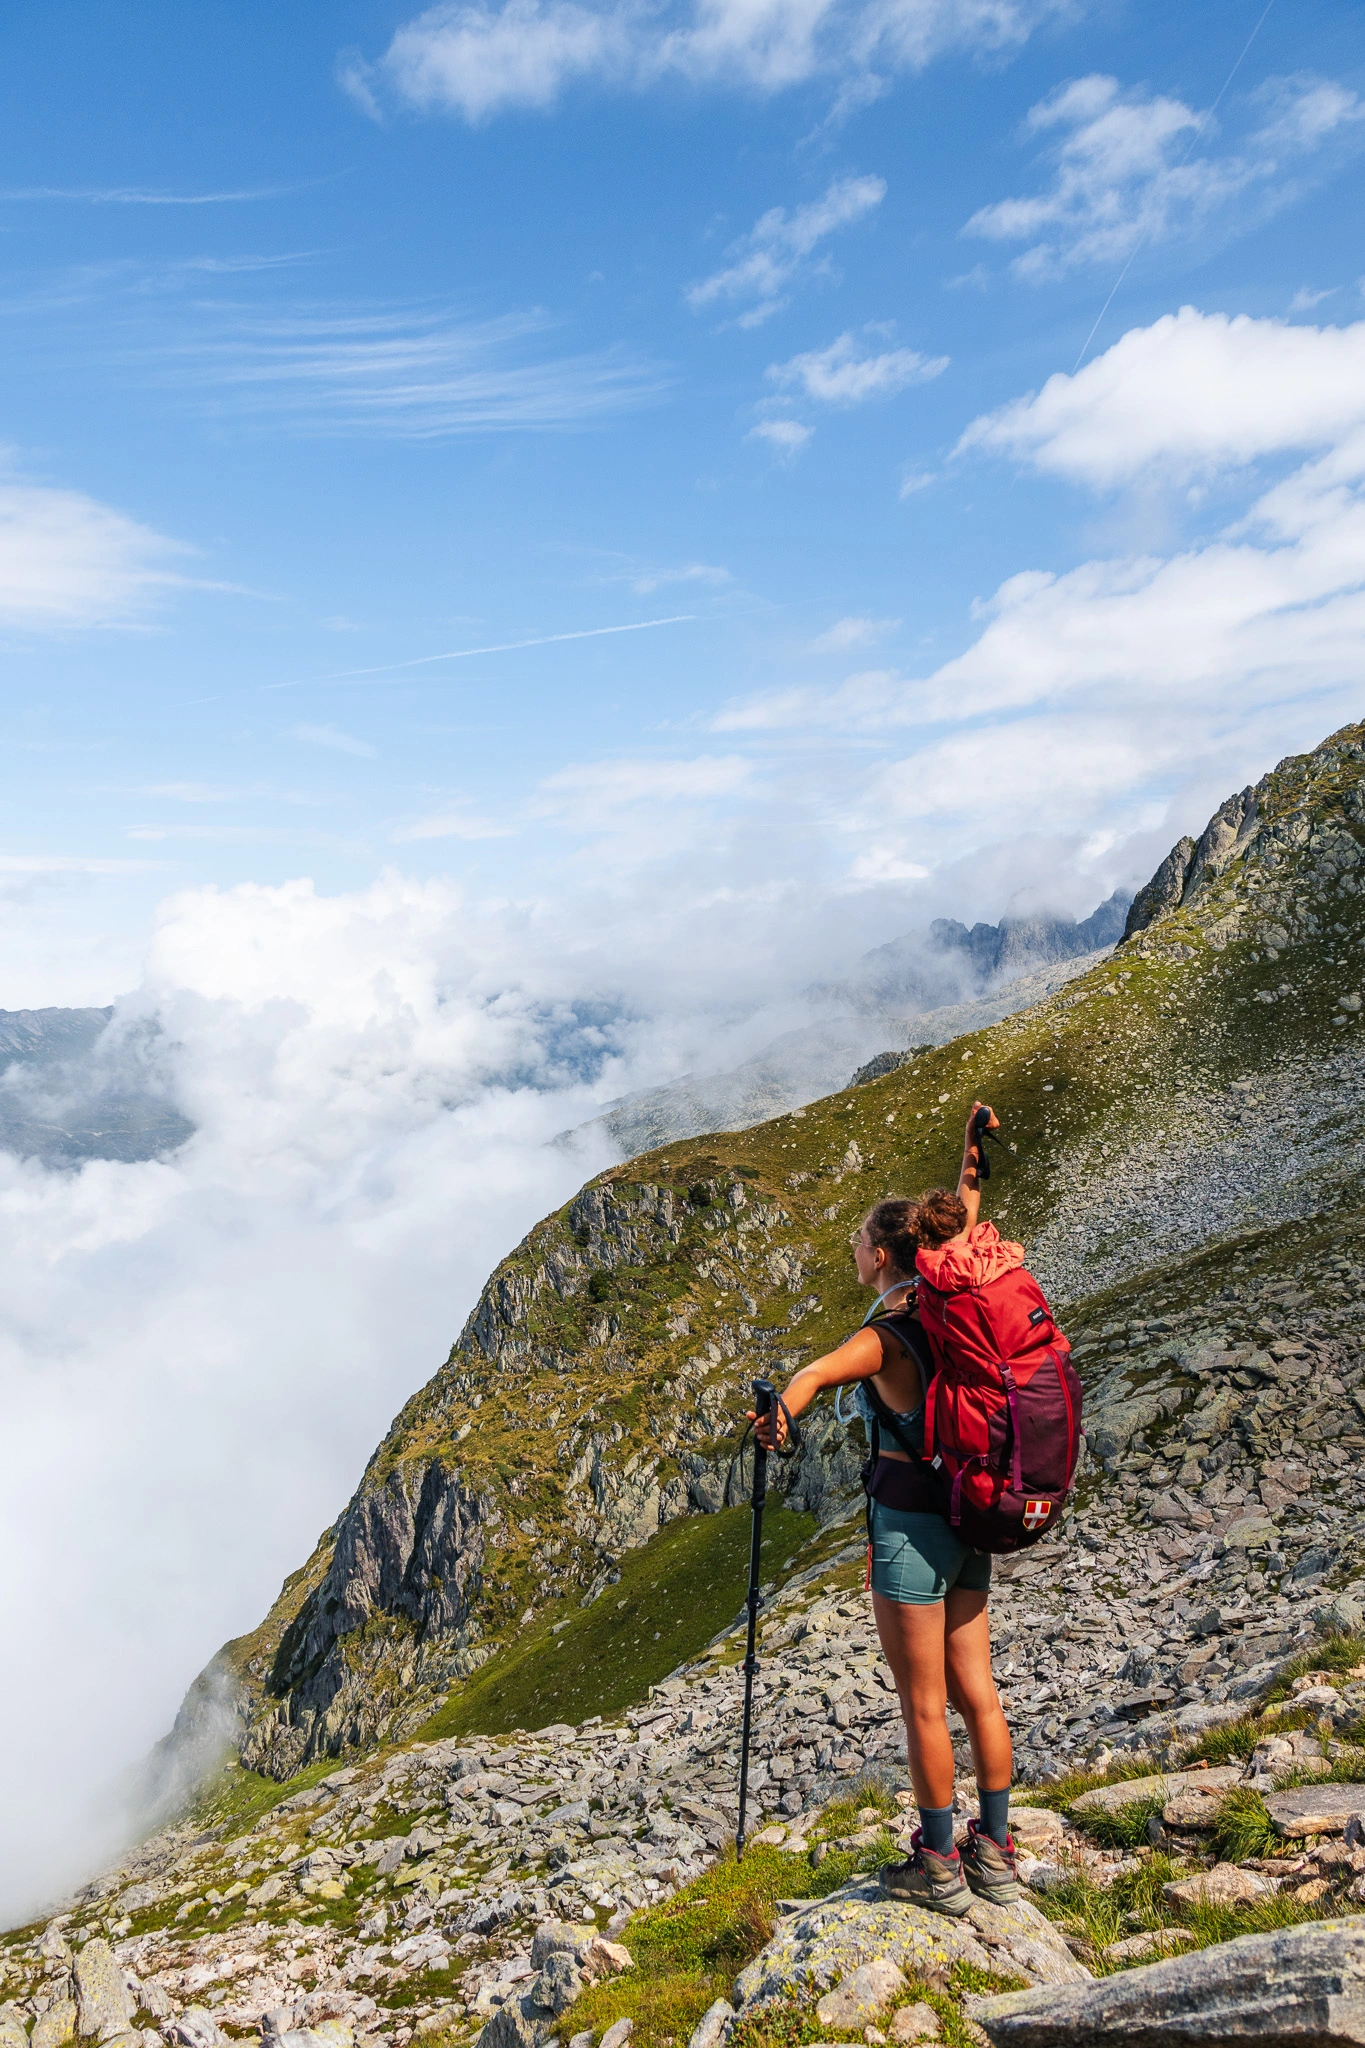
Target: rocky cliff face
x,y
1204,1081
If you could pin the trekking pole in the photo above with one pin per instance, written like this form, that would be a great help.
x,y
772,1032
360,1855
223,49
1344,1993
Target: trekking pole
x,y
765,1394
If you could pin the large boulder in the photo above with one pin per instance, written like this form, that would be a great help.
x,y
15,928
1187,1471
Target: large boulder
x,y
832,1938
1301,1985
104,2004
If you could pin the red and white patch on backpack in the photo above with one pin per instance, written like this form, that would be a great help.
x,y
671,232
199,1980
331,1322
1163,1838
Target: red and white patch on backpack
x,y
1036,1513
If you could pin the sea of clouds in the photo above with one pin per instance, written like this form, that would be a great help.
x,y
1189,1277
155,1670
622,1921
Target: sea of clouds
x,y
198,1353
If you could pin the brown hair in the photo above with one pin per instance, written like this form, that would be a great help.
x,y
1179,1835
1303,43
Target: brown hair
x,y
892,1227
941,1216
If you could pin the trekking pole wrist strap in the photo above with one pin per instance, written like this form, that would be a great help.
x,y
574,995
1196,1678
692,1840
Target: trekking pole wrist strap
x,y
793,1433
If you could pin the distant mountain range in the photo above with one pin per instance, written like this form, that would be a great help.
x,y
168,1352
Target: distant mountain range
x,y
71,1090
921,989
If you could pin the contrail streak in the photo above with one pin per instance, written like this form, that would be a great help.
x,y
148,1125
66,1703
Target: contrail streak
x,y
511,646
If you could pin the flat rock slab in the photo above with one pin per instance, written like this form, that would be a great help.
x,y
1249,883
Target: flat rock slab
x,y
816,1950
1300,1987
1227,1884
1193,1809
1161,1785
1315,1809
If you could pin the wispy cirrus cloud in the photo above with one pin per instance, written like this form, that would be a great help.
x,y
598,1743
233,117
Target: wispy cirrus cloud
x,y
1127,169
852,632
849,373
780,250
407,372
68,561
478,60
785,437
142,195
338,742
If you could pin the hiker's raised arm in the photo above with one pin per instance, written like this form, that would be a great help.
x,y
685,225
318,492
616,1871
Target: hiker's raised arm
x,y
858,1359
969,1180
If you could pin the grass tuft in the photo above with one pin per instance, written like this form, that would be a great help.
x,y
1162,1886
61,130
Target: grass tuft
x,y
1338,1652
1126,1827
1242,1827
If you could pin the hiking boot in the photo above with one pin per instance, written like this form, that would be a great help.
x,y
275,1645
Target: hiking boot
x,y
988,1868
928,1879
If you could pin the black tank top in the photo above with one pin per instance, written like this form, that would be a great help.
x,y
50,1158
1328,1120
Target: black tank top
x,y
915,1488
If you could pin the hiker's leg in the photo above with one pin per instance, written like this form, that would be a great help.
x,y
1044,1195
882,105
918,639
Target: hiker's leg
x,y
971,1686
912,1639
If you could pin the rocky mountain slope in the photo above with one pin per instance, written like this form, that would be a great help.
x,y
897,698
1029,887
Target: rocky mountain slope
x,y
550,1538
921,989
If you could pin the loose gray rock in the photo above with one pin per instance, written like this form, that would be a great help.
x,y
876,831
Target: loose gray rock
x,y
558,1984
710,2029
510,2027
914,2023
1225,1885
556,1937
618,2034
863,1996
13,2032
196,2028
1110,1798
56,2025
1315,1809
1300,1985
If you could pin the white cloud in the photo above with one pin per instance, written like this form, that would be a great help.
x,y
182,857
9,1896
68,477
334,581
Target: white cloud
x,y
1192,394
339,742
1122,680
68,561
1305,111
645,580
846,373
1305,299
785,437
776,252
853,632
1126,172
476,60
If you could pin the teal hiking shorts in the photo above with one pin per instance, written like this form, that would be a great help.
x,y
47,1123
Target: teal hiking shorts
x,y
917,1559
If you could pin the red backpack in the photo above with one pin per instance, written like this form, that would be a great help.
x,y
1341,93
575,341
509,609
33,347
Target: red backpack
x,y
1002,1416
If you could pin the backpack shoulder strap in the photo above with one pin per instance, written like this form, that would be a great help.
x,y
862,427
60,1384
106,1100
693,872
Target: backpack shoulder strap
x,y
885,1422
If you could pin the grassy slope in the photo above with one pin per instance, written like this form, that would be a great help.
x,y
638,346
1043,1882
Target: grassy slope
x,y
1146,1038
673,1596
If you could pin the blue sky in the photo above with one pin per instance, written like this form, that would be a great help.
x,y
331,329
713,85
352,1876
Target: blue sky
x,y
343,337
897,457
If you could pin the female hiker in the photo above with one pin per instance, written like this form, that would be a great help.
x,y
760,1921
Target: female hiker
x,y
928,1587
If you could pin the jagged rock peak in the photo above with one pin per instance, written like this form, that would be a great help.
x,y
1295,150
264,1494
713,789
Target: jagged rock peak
x,y
1255,826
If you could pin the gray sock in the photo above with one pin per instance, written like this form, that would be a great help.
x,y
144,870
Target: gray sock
x,y
936,1829
995,1815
